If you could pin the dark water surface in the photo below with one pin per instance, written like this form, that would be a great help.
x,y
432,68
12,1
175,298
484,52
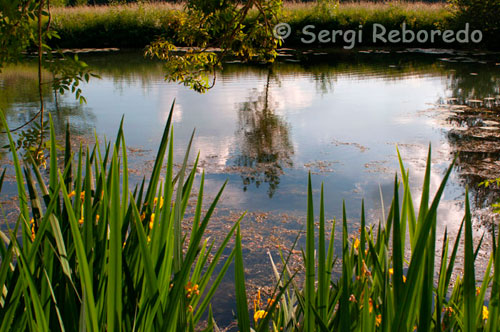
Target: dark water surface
x,y
338,116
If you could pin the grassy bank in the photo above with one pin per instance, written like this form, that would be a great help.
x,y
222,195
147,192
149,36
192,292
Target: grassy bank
x,y
350,16
137,25
125,26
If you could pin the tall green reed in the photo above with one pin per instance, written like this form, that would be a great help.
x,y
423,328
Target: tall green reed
x,y
378,288
94,256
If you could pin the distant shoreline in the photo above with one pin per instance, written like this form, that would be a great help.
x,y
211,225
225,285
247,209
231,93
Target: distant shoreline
x,y
135,26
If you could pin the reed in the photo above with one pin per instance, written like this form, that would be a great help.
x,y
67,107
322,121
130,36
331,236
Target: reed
x,y
380,289
86,255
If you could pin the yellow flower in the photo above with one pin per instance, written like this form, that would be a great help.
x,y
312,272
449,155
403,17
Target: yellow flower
x,y
71,194
259,314
370,305
96,218
149,239
152,221
80,221
156,201
270,302
256,302
478,290
485,312
391,272
82,195
143,216
32,231
32,221
189,287
356,244
378,320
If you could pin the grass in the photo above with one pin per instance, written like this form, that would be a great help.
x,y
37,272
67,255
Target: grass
x,y
114,26
137,25
88,254
368,11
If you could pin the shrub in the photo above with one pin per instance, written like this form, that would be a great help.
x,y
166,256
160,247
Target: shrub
x,y
481,14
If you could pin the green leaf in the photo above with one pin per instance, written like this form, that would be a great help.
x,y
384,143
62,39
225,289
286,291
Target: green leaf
x,y
241,297
469,285
90,311
114,288
309,262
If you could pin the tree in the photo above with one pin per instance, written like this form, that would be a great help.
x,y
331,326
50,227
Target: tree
x,y
480,14
213,30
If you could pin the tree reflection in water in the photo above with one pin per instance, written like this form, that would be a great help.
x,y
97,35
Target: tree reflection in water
x,y
264,145
476,130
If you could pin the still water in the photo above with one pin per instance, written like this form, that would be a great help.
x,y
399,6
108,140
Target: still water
x,y
264,128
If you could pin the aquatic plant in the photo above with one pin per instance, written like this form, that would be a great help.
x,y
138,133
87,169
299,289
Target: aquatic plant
x,y
379,288
86,255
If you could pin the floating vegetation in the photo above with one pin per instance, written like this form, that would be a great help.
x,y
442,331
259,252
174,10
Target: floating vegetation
x,y
358,146
321,166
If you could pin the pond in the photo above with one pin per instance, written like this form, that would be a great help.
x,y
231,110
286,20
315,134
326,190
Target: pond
x,y
338,115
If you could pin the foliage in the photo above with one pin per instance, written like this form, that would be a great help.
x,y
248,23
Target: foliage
x,y
480,13
68,73
95,258
379,289
139,25
27,141
213,30
23,26
486,184
16,28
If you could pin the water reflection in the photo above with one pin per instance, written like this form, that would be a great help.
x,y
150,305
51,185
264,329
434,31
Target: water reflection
x,y
475,136
473,104
357,96
473,82
19,101
264,144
